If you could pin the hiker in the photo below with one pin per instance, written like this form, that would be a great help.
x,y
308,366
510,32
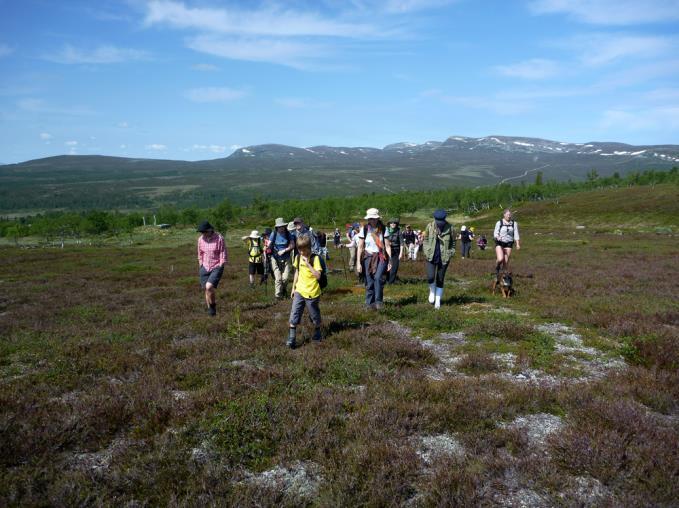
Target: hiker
x,y
439,248
353,244
253,244
300,229
266,245
506,233
337,238
482,242
373,257
395,236
466,236
410,239
420,242
323,245
212,255
306,291
282,245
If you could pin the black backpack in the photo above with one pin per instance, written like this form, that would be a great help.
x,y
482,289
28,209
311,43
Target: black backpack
x,y
323,281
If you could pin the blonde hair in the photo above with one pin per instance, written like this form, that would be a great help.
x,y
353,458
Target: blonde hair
x,y
304,243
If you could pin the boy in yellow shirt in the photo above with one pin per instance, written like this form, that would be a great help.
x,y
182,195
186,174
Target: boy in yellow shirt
x,y
306,291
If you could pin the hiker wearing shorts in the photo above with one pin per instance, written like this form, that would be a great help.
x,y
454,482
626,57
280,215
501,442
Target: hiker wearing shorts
x,y
212,256
506,234
282,245
306,291
373,258
439,248
255,256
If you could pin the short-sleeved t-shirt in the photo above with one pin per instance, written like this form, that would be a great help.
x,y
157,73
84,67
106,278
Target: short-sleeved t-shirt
x,y
370,244
307,285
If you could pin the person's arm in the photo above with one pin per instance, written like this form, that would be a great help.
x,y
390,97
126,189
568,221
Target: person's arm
x,y
359,253
223,254
315,272
517,238
294,284
200,256
387,250
496,231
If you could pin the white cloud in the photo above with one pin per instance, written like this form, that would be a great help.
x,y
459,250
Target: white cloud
x,y
210,148
405,6
535,68
102,55
235,147
602,49
494,104
33,105
71,143
272,20
5,50
279,51
45,136
123,125
214,94
156,147
661,118
123,147
300,103
205,67
611,12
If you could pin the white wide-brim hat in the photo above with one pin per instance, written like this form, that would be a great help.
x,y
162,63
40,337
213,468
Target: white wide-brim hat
x,y
463,228
372,213
280,221
254,234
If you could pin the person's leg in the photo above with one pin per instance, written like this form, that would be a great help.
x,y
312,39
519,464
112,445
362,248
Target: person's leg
x,y
507,253
379,286
251,273
312,305
286,276
352,259
278,277
369,282
296,311
440,276
431,280
499,258
395,261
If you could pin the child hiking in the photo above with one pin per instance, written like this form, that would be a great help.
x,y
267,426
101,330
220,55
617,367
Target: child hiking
x,y
306,291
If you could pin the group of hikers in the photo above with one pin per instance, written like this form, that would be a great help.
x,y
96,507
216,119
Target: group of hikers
x,y
375,253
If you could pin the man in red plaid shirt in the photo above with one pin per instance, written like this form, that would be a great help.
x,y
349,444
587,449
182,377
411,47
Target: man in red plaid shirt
x,y
212,256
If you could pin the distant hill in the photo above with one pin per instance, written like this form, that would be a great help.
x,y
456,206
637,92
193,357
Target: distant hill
x,y
271,170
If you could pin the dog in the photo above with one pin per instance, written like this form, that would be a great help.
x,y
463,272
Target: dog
x,y
505,282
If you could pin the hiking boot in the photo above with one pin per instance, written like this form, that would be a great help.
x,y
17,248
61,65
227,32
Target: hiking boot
x,y
291,342
212,309
317,337
379,305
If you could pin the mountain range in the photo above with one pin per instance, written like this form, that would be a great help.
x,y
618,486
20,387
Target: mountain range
x,y
281,171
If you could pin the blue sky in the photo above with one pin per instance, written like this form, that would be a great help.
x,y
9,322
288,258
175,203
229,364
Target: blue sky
x,y
193,80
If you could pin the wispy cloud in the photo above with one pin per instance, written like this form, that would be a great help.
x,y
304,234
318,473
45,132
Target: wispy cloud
x,y
205,67
301,103
123,125
611,12
32,105
215,94
274,33
71,143
45,136
535,68
660,118
272,20
498,105
156,147
101,55
209,148
5,50
602,49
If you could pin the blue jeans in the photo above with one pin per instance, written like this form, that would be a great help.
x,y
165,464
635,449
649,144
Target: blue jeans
x,y
374,291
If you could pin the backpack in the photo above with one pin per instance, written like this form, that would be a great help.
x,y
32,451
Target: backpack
x,y
255,249
507,226
323,281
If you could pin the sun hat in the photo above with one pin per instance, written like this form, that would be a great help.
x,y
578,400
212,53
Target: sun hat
x,y
372,213
254,234
291,226
394,220
280,221
297,220
440,214
463,228
204,226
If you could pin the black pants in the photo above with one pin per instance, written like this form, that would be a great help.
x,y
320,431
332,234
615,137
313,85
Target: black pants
x,y
436,273
466,247
391,276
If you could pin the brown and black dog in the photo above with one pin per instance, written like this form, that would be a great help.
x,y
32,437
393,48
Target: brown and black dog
x,y
505,282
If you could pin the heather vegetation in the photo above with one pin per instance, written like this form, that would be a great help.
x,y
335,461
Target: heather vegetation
x,y
116,388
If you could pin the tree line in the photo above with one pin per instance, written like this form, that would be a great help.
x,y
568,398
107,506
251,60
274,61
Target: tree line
x,y
329,210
